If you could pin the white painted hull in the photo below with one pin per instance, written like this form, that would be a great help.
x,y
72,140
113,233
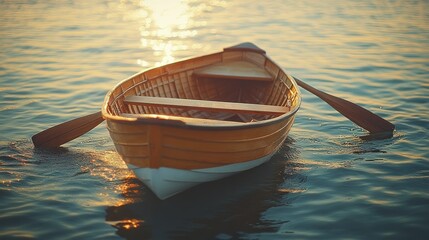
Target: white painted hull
x,y
167,182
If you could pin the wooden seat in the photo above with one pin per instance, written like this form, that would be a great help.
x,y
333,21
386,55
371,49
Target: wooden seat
x,y
181,120
205,105
236,70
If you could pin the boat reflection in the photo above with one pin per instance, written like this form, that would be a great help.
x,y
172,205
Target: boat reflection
x,y
212,210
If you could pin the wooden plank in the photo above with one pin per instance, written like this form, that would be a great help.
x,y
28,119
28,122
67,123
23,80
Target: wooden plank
x,y
237,70
186,120
207,105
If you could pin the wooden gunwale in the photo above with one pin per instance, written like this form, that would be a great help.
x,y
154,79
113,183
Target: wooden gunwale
x,y
161,120
204,134
219,136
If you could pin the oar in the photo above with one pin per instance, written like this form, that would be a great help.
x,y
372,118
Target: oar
x,y
65,132
357,114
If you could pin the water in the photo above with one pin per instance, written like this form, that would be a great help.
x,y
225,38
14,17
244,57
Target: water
x,y
59,58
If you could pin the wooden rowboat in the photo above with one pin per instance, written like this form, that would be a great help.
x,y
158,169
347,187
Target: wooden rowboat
x,y
201,119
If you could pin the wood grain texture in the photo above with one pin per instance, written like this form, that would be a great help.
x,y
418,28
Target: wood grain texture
x,y
205,105
223,108
357,114
153,145
236,70
65,132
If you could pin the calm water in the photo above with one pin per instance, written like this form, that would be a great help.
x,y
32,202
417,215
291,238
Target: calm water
x,y
59,58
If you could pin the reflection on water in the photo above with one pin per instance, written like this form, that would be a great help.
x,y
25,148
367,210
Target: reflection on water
x,y
167,24
37,188
59,58
225,208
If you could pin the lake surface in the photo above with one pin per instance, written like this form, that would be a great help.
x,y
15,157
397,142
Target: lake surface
x,y
59,58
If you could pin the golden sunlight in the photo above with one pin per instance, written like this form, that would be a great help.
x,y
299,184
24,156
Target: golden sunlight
x,y
166,24
131,223
168,14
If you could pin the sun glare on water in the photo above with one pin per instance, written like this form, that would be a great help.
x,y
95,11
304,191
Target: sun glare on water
x,y
166,24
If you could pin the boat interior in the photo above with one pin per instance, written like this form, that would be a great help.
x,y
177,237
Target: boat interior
x,y
229,91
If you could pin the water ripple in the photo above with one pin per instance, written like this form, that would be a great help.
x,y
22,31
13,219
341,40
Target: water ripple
x,y
330,180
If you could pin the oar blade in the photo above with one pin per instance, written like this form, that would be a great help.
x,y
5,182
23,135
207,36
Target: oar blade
x,y
357,114
57,135
361,116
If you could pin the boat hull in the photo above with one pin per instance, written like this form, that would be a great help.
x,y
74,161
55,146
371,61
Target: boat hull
x,y
171,158
167,182
201,119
